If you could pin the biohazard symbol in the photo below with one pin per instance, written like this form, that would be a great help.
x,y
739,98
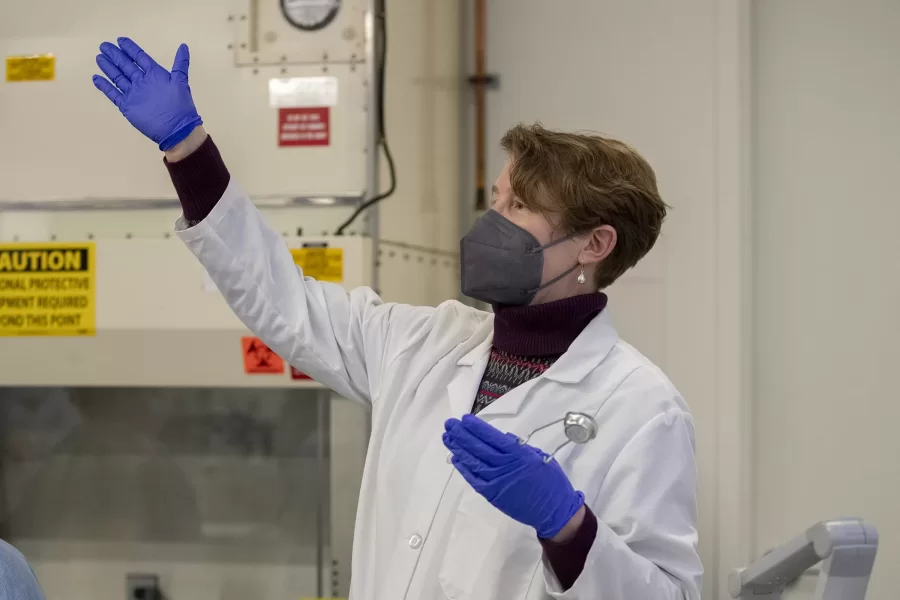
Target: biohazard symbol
x,y
259,358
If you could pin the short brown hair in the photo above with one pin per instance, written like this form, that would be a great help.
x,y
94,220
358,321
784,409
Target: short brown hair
x,y
582,181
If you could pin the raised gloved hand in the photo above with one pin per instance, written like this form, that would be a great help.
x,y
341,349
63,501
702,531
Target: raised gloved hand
x,y
158,103
512,476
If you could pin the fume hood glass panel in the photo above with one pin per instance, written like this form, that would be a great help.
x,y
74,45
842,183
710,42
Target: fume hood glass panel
x,y
221,493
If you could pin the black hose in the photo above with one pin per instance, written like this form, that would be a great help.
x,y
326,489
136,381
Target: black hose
x,y
382,142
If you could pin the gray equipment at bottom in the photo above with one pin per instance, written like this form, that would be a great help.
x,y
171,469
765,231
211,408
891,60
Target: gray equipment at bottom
x,y
847,547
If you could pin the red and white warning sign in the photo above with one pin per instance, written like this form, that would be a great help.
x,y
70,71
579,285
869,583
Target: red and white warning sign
x,y
259,358
304,126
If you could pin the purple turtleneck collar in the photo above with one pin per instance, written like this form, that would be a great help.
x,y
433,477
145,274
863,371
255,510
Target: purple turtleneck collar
x,y
544,329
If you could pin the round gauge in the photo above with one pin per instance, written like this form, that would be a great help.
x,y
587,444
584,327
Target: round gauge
x,y
310,15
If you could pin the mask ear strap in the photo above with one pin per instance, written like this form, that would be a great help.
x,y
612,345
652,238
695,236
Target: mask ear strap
x,y
554,280
551,244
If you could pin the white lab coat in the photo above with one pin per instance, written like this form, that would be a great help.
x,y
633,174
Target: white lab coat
x,y
421,532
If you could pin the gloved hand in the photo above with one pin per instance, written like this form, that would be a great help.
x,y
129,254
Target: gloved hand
x,y
512,476
156,102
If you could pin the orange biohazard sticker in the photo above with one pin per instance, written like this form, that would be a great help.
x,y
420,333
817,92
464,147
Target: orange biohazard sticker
x,y
297,374
259,358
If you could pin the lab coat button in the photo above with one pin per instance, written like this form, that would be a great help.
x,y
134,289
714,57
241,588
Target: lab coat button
x,y
415,542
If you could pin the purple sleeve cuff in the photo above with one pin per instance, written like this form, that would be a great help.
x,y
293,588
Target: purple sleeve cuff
x,y
200,180
568,559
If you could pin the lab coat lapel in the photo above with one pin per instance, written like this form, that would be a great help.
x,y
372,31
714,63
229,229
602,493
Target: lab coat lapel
x,y
588,350
551,400
586,353
510,403
463,388
583,356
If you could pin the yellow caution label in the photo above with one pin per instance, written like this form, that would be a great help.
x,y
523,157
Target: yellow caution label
x,y
31,68
48,289
322,264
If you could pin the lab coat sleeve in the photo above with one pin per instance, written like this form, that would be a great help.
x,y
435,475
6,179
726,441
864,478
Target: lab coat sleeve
x,y
335,337
646,542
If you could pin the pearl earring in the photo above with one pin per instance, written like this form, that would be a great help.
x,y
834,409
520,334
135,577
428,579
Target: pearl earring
x,y
581,277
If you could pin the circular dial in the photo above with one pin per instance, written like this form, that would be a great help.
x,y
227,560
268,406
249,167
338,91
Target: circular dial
x,y
310,15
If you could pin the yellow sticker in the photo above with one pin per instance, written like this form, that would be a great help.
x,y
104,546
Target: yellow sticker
x,y
322,264
48,289
41,67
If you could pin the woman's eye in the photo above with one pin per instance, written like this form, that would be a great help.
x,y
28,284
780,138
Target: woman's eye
x,y
518,205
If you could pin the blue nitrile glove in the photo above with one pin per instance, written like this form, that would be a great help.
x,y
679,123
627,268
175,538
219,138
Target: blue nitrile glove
x,y
512,476
156,102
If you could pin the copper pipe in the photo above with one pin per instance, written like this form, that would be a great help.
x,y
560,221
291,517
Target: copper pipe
x,y
480,81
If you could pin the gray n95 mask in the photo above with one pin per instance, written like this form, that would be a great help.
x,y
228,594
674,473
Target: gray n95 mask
x,y
502,263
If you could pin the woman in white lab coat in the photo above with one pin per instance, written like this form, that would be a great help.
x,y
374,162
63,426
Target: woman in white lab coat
x,y
455,505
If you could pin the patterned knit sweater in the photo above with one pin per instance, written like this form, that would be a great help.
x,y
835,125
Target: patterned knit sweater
x,y
506,372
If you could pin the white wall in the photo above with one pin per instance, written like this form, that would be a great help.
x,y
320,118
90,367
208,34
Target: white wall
x,y
651,73
827,99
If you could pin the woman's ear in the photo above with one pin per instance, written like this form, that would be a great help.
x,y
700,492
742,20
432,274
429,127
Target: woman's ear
x,y
600,244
